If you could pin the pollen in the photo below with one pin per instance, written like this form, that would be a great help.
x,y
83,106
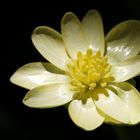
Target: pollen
x,y
88,72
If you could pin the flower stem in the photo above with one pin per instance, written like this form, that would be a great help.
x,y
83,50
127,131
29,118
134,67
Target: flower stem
x,y
121,132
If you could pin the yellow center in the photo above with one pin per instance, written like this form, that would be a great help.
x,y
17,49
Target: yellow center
x,y
88,72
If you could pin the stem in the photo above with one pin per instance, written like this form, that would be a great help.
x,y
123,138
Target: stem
x,y
121,132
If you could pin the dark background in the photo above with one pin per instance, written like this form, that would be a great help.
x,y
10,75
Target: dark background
x,y
19,122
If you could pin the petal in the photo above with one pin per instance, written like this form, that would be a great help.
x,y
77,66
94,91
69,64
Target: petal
x,y
127,69
35,74
123,41
108,119
50,44
131,97
48,96
73,34
112,106
92,23
85,115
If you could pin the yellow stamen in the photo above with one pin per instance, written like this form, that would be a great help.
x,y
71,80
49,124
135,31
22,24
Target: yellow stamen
x,y
89,71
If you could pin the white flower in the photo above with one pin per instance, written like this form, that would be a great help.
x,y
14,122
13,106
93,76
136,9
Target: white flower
x,y
86,70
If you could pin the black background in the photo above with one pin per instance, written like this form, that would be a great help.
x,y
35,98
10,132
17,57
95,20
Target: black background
x,y
18,21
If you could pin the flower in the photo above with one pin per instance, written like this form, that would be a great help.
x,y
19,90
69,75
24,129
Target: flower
x,y
86,70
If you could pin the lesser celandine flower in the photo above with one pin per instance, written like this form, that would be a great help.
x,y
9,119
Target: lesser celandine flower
x,y
86,70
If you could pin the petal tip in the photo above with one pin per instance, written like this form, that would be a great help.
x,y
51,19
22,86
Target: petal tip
x,y
68,16
85,116
12,78
93,11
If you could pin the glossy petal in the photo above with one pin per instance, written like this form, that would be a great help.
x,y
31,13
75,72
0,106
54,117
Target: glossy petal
x,y
123,41
35,74
131,97
112,106
50,44
73,34
92,23
127,69
85,115
48,96
108,119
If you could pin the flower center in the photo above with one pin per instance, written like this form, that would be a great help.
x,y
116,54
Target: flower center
x,y
88,72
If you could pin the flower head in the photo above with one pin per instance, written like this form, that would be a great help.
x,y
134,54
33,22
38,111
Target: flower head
x,y
86,70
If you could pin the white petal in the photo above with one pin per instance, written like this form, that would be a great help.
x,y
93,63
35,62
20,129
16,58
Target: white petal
x,y
127,69
50,44
108,119
73,34
112,106
35,74
123,41
48,96
85,115
131,98
92,23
